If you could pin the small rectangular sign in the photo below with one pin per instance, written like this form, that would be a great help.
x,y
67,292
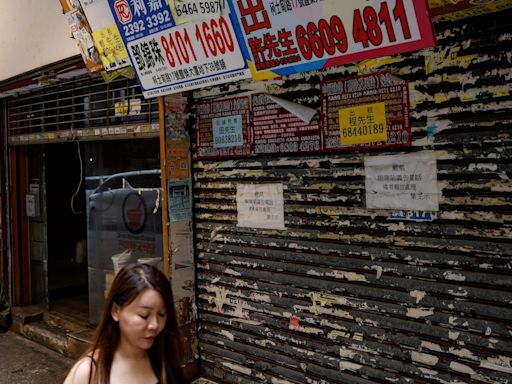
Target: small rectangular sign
x,y
277,130
418,216
363,124
260,206
185,11
368,111
223,128
404,182
227,131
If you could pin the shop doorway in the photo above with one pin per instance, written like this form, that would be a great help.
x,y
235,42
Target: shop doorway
x,y
66,227
124,214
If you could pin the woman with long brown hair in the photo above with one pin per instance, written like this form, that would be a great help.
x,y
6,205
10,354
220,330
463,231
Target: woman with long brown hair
x,y
137,338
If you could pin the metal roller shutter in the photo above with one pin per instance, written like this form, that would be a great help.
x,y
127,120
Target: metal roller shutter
x,y
345,295
81,108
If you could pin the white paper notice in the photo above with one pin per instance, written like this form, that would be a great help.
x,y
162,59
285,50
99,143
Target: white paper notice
x,y
260,206
407,182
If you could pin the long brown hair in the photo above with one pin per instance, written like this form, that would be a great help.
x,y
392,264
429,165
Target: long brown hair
x,y
164,355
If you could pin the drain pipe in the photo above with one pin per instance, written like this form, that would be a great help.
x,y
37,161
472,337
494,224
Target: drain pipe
x,y
6,237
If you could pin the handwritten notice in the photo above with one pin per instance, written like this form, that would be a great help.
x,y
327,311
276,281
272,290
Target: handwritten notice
x,y
260,206
404,182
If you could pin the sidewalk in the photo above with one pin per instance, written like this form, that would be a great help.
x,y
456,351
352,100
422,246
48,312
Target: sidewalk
x,y
25,362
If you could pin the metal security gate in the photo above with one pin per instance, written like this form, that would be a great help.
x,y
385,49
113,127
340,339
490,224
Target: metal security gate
x,y
81,108
345,295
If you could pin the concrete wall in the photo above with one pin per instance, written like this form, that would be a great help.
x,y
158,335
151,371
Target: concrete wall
x,y
33,34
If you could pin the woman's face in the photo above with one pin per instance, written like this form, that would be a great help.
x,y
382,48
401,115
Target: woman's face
x,y
141,320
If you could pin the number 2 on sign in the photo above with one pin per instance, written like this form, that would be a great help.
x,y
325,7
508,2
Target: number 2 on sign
x,y
367,27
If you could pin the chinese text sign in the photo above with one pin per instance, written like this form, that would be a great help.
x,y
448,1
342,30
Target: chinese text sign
x,y
286,37
260,206
406,182
169,58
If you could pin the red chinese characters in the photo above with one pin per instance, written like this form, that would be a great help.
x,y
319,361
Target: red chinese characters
x,y
254,15
270,48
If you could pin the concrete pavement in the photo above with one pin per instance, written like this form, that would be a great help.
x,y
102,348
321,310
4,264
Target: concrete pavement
x,y
25,362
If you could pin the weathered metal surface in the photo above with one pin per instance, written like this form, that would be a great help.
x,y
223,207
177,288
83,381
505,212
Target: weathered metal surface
x,y
345,295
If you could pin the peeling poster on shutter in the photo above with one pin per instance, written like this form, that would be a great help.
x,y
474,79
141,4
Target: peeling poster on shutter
x,y
406,182
260,206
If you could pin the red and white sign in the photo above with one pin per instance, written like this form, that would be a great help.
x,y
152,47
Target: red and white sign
x,y
188,56
123,12
286,37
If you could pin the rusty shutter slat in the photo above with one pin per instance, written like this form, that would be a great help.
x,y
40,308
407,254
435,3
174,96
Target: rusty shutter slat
x,y
345,295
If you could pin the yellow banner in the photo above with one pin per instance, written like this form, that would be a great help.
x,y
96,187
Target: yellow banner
x,y
363,124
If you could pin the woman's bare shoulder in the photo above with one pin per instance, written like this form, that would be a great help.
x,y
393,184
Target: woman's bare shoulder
x,y
81,371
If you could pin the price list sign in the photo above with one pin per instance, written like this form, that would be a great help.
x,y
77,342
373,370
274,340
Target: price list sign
x,y
277,130
169,58
223,128
286,37
369,111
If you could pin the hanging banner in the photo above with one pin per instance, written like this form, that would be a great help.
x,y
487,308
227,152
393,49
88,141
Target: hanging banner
x,y
286,37
105,34
405,182
169,58
369,111
277,129
223,128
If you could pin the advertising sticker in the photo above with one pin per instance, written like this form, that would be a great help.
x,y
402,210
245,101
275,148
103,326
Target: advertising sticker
x,y
276,130
370,111
82,33
105,34
286,37
179,200
169,58
223,128
178,159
